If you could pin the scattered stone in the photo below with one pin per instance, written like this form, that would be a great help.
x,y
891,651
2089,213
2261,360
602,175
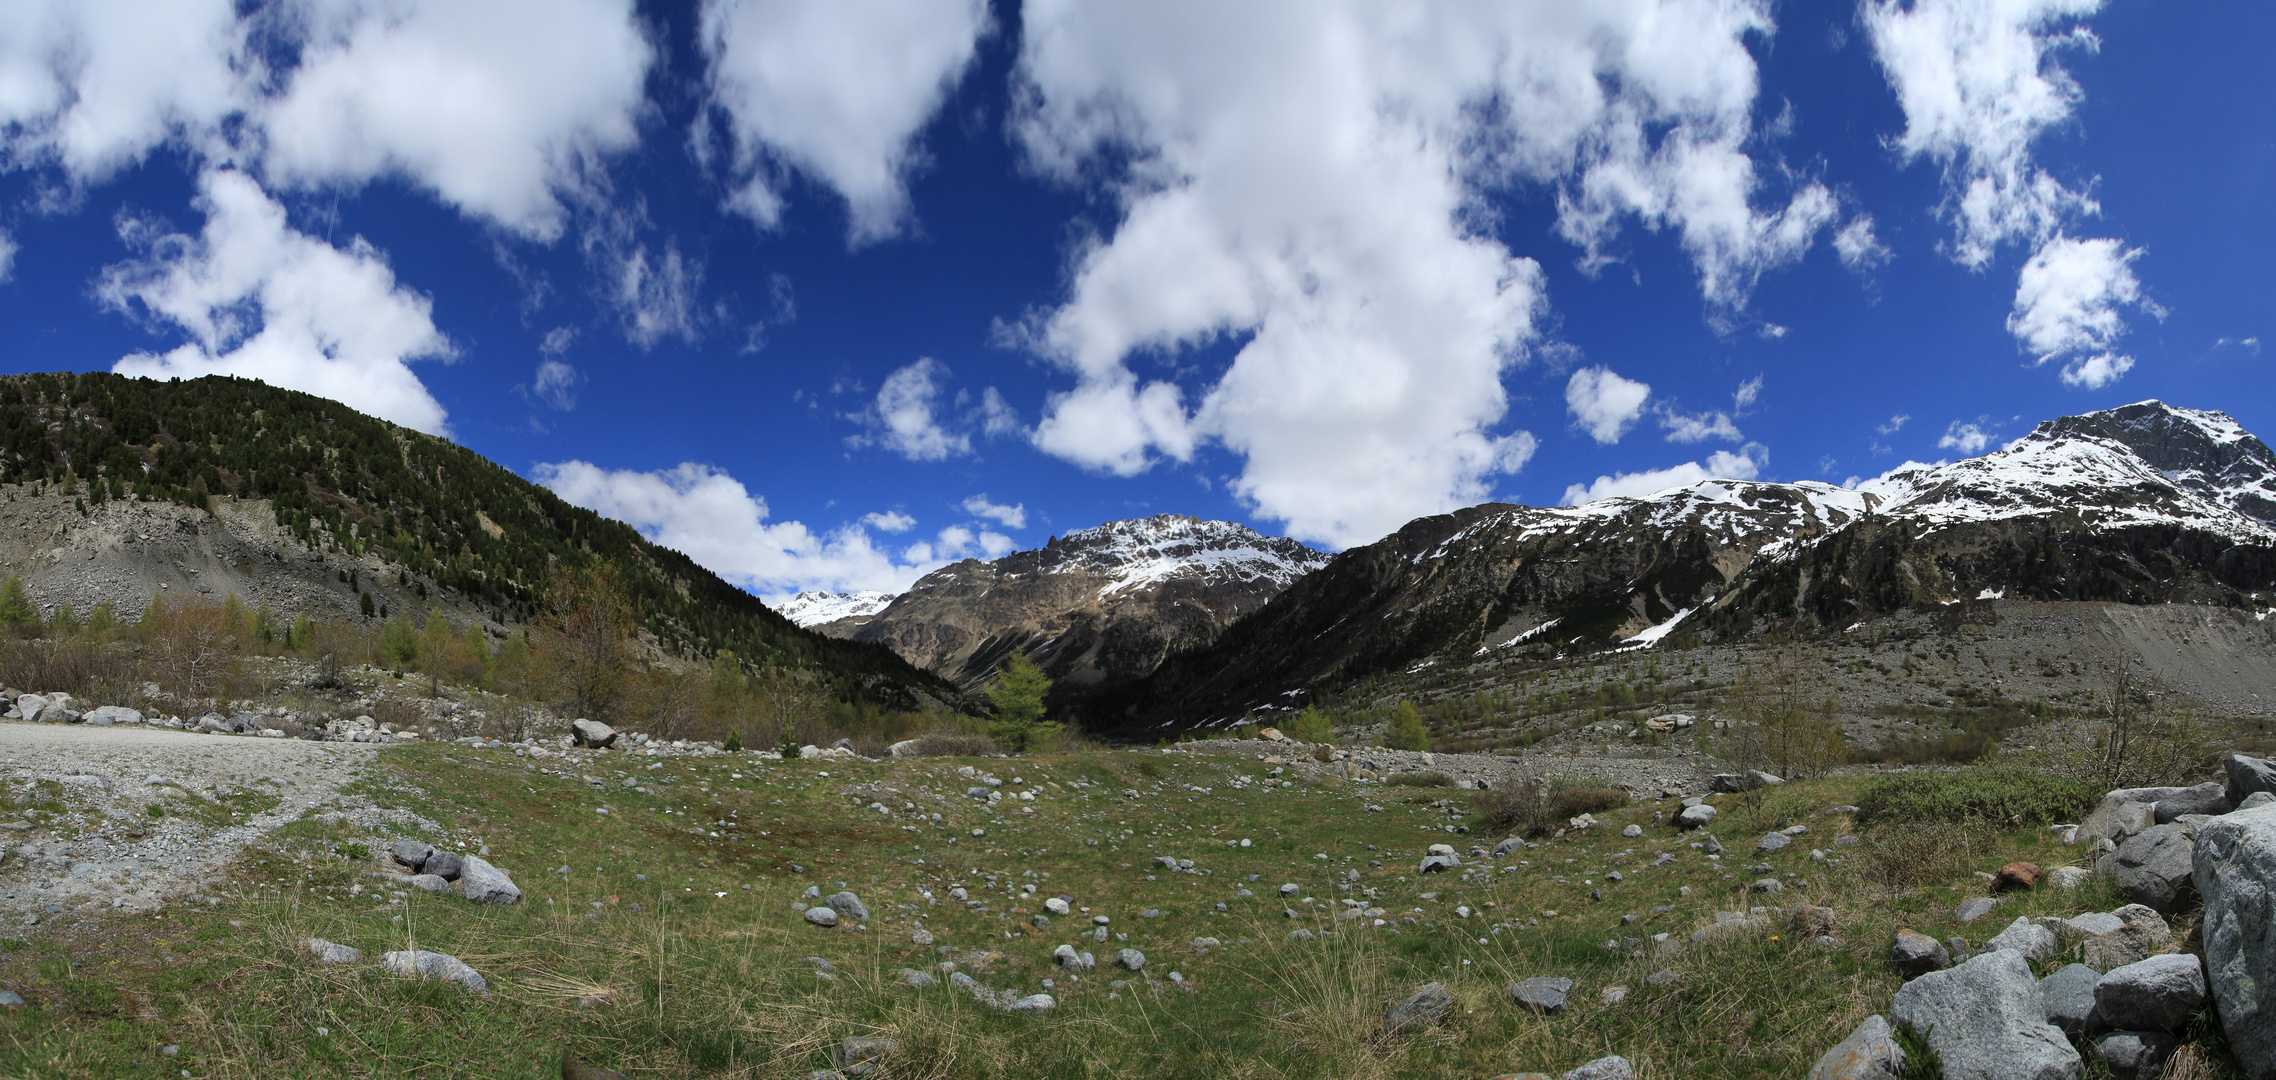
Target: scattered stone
x,y
862,1057
421,964
445,865
1711,846
915,978
1439,864
1973,908
2136,1055
1632,831
2142,934
1662,977
1869,1053
1056,906
332,953
1915,954
486,884
2016,875
1773,841
2236,875
1810,920
1130,958
1612,995
412,853
1509,845
2069,877
822,916
1543,995
1694,817
2156,994
2153,868
428,883
1603,1068
9,999
1984,1021
1034,1003
1426,1007
1768,886
848,906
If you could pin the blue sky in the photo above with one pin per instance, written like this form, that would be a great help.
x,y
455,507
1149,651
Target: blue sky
x,y
827,294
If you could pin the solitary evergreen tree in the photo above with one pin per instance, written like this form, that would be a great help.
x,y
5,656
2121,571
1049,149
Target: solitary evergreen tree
x,y
1406,730
15,607
1017,699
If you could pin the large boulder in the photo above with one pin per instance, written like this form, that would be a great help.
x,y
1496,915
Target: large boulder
x,y
2035,942
2156,994
2236,874
2136,1055
2202,799
113,714
848,906
1425,1007
2141,934
1694,817
2247,775
447,865
412,853
592,733
2121,814
1869,1053
1913,954
486,884
2067,997
1984,1021
2153,868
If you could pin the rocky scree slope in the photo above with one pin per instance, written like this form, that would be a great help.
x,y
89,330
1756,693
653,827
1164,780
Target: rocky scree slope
x,y
2143,504
115,489
1096,608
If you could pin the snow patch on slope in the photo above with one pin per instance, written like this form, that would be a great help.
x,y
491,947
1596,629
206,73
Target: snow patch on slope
x,y
816,608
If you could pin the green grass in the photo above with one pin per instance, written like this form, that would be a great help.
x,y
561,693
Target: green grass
x,y
634,961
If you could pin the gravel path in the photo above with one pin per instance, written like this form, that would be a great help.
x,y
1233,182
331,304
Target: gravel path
x,y
103,850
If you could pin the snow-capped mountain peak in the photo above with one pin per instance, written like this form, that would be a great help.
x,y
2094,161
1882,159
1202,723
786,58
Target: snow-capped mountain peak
x,y
1143,551
815,608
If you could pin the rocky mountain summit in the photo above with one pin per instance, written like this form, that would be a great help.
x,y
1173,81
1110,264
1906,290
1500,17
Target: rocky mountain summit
x,y
1095,608
823,610
2143,504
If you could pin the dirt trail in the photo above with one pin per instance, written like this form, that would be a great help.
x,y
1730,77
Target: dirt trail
x,y
103,849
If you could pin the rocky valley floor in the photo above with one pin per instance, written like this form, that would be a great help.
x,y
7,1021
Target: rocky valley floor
x,y
1275,915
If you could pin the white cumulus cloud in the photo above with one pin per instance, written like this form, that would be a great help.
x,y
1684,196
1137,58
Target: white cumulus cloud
x,y
837,91
1011,517
1967,438
556,384
905,420
1684,427
2069,303
1858,248
493,106
891,521
1978,83
262,300
710,517
1604,404
92,85
1307,178
1744,464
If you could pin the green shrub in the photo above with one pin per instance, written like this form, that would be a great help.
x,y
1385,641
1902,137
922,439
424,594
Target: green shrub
x,y
1309,726
1419,778
2004,795
734,743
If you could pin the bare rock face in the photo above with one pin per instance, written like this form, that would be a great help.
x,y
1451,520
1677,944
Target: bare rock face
x,y
1095,608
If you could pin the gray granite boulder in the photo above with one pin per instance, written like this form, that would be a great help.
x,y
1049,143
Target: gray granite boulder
x,y
1984,1021
1614,1067
2202,799
2156,994
2035,942
332,952
592,733
847,905
2236,875
1694,817
2067,997
2153,868
412,853
1914,954
2136,1055
2121,814
1541,994
486,884
2247,775
446,865
421,964
1869,1053
1425,1007
821,916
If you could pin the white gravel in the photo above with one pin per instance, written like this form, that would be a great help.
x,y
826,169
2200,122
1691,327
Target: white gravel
x,y
90,858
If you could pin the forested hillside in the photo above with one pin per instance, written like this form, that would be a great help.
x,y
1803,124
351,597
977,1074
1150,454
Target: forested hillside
x,y
443,516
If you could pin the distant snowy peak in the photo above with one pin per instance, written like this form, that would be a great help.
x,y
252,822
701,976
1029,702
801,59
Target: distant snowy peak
x,y
1141,552
2142,464
816,608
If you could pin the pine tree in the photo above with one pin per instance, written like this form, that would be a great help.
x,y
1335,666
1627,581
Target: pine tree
x,y
1017,699
15,607
1406,730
